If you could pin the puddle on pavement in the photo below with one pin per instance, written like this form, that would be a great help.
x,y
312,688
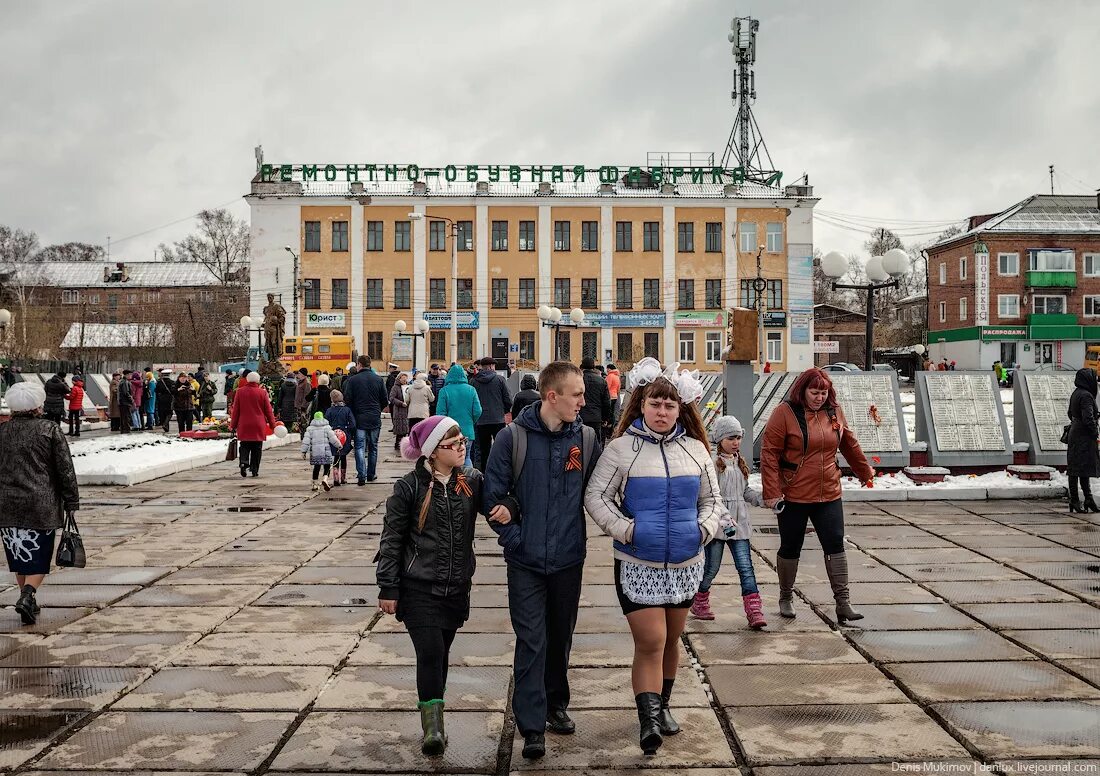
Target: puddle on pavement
x,y
18,728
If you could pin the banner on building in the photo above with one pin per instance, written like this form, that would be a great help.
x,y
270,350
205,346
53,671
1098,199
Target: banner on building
x,y
800,293
981,284
709,319
466,320
625,320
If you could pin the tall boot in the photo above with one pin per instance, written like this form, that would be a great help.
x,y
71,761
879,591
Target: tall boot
x,y
431,720
1086,491
668,725
788,573
837,568
649,712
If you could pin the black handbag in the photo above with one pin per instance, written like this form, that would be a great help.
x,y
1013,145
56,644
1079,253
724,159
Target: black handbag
x,y
231,451
1064,439
70,547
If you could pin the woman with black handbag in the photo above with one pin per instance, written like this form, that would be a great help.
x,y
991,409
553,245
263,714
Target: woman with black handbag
x,y
1082,456
37,488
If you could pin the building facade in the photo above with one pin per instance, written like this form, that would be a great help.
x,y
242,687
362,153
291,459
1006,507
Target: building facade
x,y
653,257
1019,287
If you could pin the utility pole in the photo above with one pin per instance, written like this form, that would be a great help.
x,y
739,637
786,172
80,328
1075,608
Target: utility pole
x,y
1052,179
760,285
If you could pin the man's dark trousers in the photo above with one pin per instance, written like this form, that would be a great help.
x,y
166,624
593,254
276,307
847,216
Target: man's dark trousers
x,y
484,436
544,612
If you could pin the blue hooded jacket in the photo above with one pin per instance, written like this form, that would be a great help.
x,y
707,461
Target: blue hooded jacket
x,y
458,400
547,532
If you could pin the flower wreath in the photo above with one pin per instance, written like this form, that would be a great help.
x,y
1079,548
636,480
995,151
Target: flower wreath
x,y
686,382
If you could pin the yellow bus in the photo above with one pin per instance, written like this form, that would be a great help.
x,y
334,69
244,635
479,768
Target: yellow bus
x,y
318,353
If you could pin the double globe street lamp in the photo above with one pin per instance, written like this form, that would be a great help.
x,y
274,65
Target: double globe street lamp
x,y
249,325
420,330
882,272
552,317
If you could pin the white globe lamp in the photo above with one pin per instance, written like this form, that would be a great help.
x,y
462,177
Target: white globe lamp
x,y
896,262
834,264
875,271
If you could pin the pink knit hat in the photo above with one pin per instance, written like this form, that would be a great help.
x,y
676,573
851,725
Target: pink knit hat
x,y
425,435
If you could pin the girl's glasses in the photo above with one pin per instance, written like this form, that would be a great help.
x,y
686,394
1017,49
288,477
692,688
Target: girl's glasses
x,y
458,443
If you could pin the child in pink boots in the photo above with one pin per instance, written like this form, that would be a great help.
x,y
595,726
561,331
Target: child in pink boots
x,y
733,476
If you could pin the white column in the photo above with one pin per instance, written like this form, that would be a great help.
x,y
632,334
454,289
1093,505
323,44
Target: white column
x,y
356,293
420,279
481,280
607,276
545,282
731,285
668,237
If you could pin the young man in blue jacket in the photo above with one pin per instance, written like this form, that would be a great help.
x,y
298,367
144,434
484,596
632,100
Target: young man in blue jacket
x,y
543,536
365,394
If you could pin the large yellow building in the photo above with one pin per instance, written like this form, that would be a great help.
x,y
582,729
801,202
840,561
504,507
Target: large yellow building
x,y
654,256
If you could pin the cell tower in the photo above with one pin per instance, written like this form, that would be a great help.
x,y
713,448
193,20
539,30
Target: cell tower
x,y
746,147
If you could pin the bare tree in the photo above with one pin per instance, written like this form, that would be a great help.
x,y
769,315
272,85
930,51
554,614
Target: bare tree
x,y
21,285
221,245
71,251
17,245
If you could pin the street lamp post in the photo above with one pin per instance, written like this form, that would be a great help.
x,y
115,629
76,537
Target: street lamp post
x,y
760,285
421,330
882,272
552,317
297,266
250,325
453,226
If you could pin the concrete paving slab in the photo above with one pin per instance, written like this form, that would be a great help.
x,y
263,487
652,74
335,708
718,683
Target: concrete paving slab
x,y
361,688
50,620
300,619
15,641
1085,588
171,740
471,649
871,593
871,543
228,575
254,558
1088,669
74,595
100,649
1051,571
319,595
1060,644
983,570
331,557
609,688
162,594
184,619
915,617
389,741
296,649
1012,591
758,647
108,576
990,681
910,556
1021,616
332,575
782,685
1014,539
1003,729
609,739
929,646
23,734
806,621
65,687
822,734
229,688
1052,554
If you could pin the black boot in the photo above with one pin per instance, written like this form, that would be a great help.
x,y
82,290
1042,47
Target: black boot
x,y
534,746
665,720
1076,508
1090,505
431,720
27,606
649,713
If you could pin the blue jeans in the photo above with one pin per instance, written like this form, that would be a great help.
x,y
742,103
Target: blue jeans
x,y
366,440
742,560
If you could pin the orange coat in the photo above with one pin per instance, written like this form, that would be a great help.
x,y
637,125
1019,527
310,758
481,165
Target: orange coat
x,y
613,383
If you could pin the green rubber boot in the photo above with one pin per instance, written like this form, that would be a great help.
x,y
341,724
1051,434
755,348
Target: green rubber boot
x,y
431,720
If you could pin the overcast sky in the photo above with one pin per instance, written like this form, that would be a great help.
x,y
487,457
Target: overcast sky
x,y
122,116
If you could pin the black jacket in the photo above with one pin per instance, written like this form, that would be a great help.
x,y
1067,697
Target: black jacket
x,y
319,399
439,560
597,399
55,396
492,392
527,395
287,413
365,393
166,391
1082,455
125,393
37,479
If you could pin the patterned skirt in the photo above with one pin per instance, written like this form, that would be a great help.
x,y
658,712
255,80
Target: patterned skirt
x,y
639,586
29,551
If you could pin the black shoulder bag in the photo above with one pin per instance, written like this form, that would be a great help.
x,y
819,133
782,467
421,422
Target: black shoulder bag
x,y
70,547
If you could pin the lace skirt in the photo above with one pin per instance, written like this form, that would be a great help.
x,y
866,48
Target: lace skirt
x,y
639,586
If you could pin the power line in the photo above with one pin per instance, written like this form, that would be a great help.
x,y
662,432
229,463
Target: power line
x,y
171,223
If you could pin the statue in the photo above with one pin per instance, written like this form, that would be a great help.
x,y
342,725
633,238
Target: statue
x,y
274,326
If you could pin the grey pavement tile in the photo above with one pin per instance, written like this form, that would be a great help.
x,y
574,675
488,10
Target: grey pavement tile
x,y
298,649
871,593
609,688
907,617
162,594
319,595
1089,669
50,620
1003,541
228,575
73,595
930,646
482,620
229,688
872,543
23,734
1012,591
100,649
253,558
806,621
1089,570
78,688
1052,554
471,649
760,647
1060,643
910,556
1044,616
801,684
171,740
301,619
1085,588
11,642
185,619
958,571
332,575
108,576
990,681
361,688
1004,729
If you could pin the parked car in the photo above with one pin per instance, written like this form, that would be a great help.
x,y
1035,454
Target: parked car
x,y
885,368
841,366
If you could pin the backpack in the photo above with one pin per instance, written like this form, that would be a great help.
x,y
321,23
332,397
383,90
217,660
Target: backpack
x,y
519,449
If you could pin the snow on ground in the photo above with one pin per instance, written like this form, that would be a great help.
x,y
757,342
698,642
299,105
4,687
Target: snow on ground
x,y
124,455
998,482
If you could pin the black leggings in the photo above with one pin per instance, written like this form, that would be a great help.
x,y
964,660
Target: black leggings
x,y
433,650
250,454
317,469
828,521
1086,488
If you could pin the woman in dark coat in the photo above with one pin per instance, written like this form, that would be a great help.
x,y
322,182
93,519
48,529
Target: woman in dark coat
x,y
182,401
1082,456
287,412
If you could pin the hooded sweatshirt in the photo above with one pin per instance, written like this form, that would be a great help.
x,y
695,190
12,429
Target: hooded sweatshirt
x,y
420,398
495,398
458,400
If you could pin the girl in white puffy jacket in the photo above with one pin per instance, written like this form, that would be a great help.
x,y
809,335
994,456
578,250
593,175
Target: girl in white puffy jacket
x,y
318,444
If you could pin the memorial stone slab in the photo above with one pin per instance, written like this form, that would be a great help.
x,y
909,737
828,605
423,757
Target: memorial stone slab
x,y
961,418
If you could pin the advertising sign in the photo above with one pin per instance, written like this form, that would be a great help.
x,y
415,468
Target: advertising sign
x,y
775,319
981,285
466,320
800,292
325,320
826,346
708,319
402,349
625,320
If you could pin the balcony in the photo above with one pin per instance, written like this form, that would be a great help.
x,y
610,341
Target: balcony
x,y
1051,279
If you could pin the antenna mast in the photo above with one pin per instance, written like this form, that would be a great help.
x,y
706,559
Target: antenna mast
x,y
746,147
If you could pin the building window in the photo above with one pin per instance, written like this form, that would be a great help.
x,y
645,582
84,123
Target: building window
x,y
714,347
624,236
774,352
340,236
112,301
1049,305
437,236
624,346
685,237
465,293
1008,264
437,345
374,235
687,347
749,297
339,293
500,292
962,309
943,273
590,294
1092,306
651,344
465,345
775,294
313,236
686,297
775,237
561,293
962,268
437,293
564,344
1008,305
1050,261
748,237
465,235
70,296
527,293
500,236
527,345
590,236
401,232
561,235
714,294
714,237
527,235
589,346
1092,264
943,312
153,297
402,288
651,294
651,236
624,293
374,293
374,345
313,293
